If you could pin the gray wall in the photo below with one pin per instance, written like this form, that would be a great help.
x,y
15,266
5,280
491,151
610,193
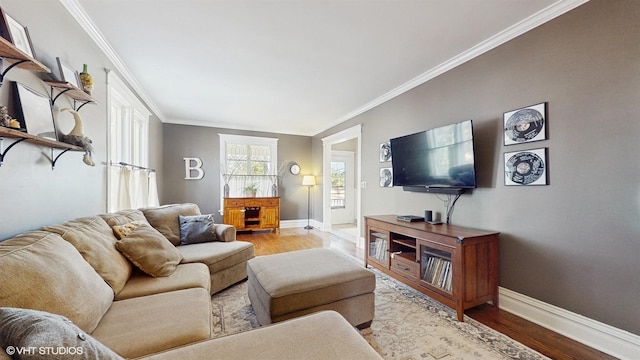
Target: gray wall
x,y
574,243
31,194
182,141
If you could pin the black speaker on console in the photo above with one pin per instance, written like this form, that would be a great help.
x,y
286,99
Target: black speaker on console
x,y
428,215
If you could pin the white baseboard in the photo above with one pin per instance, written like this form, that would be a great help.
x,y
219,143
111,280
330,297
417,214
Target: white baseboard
x,y
608,339
284,224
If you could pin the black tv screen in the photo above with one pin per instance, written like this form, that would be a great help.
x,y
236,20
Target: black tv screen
x,y
441,157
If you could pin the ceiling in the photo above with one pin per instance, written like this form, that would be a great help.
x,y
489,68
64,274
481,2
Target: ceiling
x,y
293,66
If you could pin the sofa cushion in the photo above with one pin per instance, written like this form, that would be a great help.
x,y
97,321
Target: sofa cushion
x,y
196,229
150,251
140,326
39,331
320,336
218,255
165,219
94,239
186,276
123,217
47,273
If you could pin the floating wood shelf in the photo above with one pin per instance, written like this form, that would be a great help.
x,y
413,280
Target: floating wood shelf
x,y
71,91
16,56
36,140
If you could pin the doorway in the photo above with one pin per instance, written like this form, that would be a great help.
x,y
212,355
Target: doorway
x,y
341,202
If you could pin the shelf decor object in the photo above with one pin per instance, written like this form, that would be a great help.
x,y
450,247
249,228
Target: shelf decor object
x,y
14,54
67,74
525,125
86,80
308,181
16,33
34,112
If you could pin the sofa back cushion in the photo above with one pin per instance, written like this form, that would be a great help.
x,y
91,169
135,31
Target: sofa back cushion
x,y
123,217
42,271
96,242
165,219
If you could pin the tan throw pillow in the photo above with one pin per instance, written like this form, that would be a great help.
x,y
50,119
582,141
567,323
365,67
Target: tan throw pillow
x,y
42,271
95,240
39,331
150,251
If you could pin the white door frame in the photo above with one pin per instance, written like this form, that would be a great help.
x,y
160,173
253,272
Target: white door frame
x,y
354,132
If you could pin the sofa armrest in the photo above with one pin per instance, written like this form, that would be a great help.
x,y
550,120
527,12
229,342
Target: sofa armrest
x,y
225,232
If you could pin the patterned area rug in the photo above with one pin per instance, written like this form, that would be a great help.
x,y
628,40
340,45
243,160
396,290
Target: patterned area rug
x,y
407,325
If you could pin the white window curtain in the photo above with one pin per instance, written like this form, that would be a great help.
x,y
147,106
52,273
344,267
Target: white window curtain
x,y
134,185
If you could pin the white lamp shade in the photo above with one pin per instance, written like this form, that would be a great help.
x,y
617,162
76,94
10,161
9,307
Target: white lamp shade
x,y
308,180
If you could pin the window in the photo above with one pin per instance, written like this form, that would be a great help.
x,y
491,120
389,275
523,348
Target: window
x,y
128,142
248,162
338,180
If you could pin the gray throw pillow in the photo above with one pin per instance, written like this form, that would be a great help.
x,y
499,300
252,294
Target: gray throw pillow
x,y
33,334
196,229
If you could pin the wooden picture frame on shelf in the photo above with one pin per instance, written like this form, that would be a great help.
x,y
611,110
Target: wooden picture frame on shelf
x,y
16,33
34,112
67,74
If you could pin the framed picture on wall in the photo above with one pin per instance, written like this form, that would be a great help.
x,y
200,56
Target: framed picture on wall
x,y
16,33
385,151
386,177
34,112
525,125
527,167
67,74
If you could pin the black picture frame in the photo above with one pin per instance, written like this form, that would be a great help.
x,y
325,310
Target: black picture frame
x,y
34,112
526,167
16,33
524,125
386,177
67,74
385,151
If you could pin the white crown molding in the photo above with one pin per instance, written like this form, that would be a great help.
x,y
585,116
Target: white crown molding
x,y
550,12
94,33
608,339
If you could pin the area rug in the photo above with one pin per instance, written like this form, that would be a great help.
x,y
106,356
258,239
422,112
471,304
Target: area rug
x,y
408,325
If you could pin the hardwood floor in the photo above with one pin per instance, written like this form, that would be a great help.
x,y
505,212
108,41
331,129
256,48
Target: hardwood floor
x,y
546,342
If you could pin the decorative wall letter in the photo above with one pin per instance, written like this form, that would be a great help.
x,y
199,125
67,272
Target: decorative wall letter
x,y
189,167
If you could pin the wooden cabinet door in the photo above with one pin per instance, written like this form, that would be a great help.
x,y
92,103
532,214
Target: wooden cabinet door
x,y
270,217
235,217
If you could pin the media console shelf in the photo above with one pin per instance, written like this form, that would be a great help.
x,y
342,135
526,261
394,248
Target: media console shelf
x,y
454,265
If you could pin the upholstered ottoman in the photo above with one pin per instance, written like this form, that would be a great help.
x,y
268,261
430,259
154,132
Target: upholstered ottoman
x,y
287,285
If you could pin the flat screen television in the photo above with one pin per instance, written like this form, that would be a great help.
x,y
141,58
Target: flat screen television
x,y
436,160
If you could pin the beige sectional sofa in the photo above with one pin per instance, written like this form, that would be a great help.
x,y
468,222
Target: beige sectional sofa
x,y
133,281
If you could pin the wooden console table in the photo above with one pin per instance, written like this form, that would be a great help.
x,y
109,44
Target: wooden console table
x,y
252,213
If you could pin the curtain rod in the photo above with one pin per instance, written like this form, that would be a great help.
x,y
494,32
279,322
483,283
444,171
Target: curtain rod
x,y
122,163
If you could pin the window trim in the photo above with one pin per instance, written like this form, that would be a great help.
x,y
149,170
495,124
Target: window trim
x,y
245,140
